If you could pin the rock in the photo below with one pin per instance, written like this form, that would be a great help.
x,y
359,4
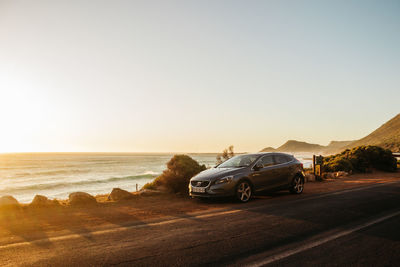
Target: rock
x,y
118,194
8,202
148,192
341,174
42,201
309,177
81,198
328,175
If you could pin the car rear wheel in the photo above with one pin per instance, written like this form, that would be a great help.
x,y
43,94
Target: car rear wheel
x,y
297,185
243,191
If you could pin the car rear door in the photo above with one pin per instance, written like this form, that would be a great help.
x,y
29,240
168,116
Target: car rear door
x,y
283,169
267,177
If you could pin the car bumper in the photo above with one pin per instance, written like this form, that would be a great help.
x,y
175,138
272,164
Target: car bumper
x,y
220,190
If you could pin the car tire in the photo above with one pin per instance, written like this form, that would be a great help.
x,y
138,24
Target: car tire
x,y
297,185
243,191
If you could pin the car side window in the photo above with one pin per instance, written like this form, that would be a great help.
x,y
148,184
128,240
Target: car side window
x,y
280,159
267,161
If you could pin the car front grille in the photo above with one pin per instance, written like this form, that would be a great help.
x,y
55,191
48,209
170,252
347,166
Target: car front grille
x,y
200,183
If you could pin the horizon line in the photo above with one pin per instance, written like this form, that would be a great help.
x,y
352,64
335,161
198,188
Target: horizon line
x,y
111,152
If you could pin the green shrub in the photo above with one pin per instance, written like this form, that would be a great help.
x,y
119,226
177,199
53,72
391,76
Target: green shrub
x,y
337,163
361,159
176,177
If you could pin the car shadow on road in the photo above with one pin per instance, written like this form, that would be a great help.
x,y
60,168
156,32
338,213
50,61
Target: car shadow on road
x,y
21,224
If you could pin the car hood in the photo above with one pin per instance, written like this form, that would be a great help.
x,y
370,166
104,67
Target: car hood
x,y
214,173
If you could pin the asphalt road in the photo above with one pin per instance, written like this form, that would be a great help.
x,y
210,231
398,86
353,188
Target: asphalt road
x,y
351,227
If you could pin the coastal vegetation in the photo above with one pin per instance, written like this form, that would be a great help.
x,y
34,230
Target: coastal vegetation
x,y
226,154
175,178
361,159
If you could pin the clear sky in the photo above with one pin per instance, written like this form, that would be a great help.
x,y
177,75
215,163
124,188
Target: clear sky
x,y
194,76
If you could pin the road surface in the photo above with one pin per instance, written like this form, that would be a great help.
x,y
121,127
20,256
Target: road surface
x,y
359,226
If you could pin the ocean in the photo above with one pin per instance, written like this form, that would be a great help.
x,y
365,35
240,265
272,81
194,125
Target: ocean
x,y
56,175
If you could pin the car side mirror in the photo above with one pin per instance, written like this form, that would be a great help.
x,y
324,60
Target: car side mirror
x,y
258,166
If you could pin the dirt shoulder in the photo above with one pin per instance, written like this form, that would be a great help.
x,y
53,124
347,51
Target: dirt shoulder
x,y
28,223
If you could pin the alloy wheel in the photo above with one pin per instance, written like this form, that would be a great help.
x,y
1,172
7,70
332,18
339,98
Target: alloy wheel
x,y
298,185
244,191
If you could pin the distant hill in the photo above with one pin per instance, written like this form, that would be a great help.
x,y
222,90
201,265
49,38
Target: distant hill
x,y
336,146
268,149
298,146
295,146
386,136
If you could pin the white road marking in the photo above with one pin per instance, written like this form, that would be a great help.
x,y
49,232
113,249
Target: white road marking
x,y
319,242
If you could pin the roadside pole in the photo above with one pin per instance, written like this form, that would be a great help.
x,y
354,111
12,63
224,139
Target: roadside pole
x,y
317,167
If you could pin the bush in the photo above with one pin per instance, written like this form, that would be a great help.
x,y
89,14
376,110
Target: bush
x,y
227,153
176,177
361,159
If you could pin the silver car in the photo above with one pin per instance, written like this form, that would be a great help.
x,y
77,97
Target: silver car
x,y
244,175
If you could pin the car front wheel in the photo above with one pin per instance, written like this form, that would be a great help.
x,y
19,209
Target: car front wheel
x,y
297,185
243,191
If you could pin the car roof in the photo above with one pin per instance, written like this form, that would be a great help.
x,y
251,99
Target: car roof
x,y
267,153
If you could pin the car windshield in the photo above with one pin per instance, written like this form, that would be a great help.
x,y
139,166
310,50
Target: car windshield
x,y
238,161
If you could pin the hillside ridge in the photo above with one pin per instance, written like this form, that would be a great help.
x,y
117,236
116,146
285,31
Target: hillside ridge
x,y
386,136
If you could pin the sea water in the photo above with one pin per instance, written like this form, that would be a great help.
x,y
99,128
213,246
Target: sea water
x,y
56,175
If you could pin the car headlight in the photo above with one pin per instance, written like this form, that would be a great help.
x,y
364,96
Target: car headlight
x,y
222,180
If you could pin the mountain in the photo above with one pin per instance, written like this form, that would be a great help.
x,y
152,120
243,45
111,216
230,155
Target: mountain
x,y
336,146
268,149
299,146
386,136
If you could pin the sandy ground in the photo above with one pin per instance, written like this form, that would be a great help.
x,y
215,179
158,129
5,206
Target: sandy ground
x,y
28,223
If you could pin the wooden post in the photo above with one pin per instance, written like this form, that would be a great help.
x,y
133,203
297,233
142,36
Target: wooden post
x,y
136,187
313,164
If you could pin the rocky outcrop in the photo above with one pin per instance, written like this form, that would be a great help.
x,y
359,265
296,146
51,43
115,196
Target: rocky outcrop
x,y
309,177
341,174
80,199
333,175
42,201
8,202
149,192
118,194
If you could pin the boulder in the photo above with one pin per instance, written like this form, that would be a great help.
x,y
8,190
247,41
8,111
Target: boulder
x,y
341,174
148,192
329,175
309,177
118,194
42,201
81,198
8,202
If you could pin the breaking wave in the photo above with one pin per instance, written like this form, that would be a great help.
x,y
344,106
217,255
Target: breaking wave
x,y
57,185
